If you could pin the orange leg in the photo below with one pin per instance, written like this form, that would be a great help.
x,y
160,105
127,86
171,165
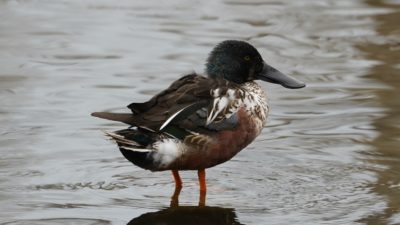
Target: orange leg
x,y
203,187
178,188
175,197
177,178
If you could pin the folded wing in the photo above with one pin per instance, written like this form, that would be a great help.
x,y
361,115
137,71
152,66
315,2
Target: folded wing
x,y
192,104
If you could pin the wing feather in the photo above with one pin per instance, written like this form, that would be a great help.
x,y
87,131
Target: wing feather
x,y
191,104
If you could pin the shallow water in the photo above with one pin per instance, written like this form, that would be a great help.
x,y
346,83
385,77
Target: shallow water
x,y
330,154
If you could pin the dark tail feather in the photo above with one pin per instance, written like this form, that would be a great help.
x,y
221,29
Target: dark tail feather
x,y
121,117
133,145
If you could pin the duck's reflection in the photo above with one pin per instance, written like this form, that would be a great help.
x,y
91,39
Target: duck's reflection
x,y
188,215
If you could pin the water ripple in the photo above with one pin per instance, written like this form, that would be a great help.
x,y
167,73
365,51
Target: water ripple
x,y
65,221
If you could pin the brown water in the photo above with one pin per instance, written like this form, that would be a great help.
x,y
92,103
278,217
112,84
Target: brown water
x,y
330,154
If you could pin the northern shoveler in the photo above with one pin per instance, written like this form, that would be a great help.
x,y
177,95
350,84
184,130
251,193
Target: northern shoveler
x,y
199,122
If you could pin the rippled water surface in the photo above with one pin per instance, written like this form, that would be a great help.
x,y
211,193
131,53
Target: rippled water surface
x,y
330,154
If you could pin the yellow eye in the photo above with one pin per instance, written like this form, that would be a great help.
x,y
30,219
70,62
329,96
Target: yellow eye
x,y
247,58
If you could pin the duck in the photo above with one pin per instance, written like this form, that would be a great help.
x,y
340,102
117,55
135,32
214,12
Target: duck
x,y
201,120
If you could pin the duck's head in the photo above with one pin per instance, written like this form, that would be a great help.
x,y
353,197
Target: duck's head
x,y
240,62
